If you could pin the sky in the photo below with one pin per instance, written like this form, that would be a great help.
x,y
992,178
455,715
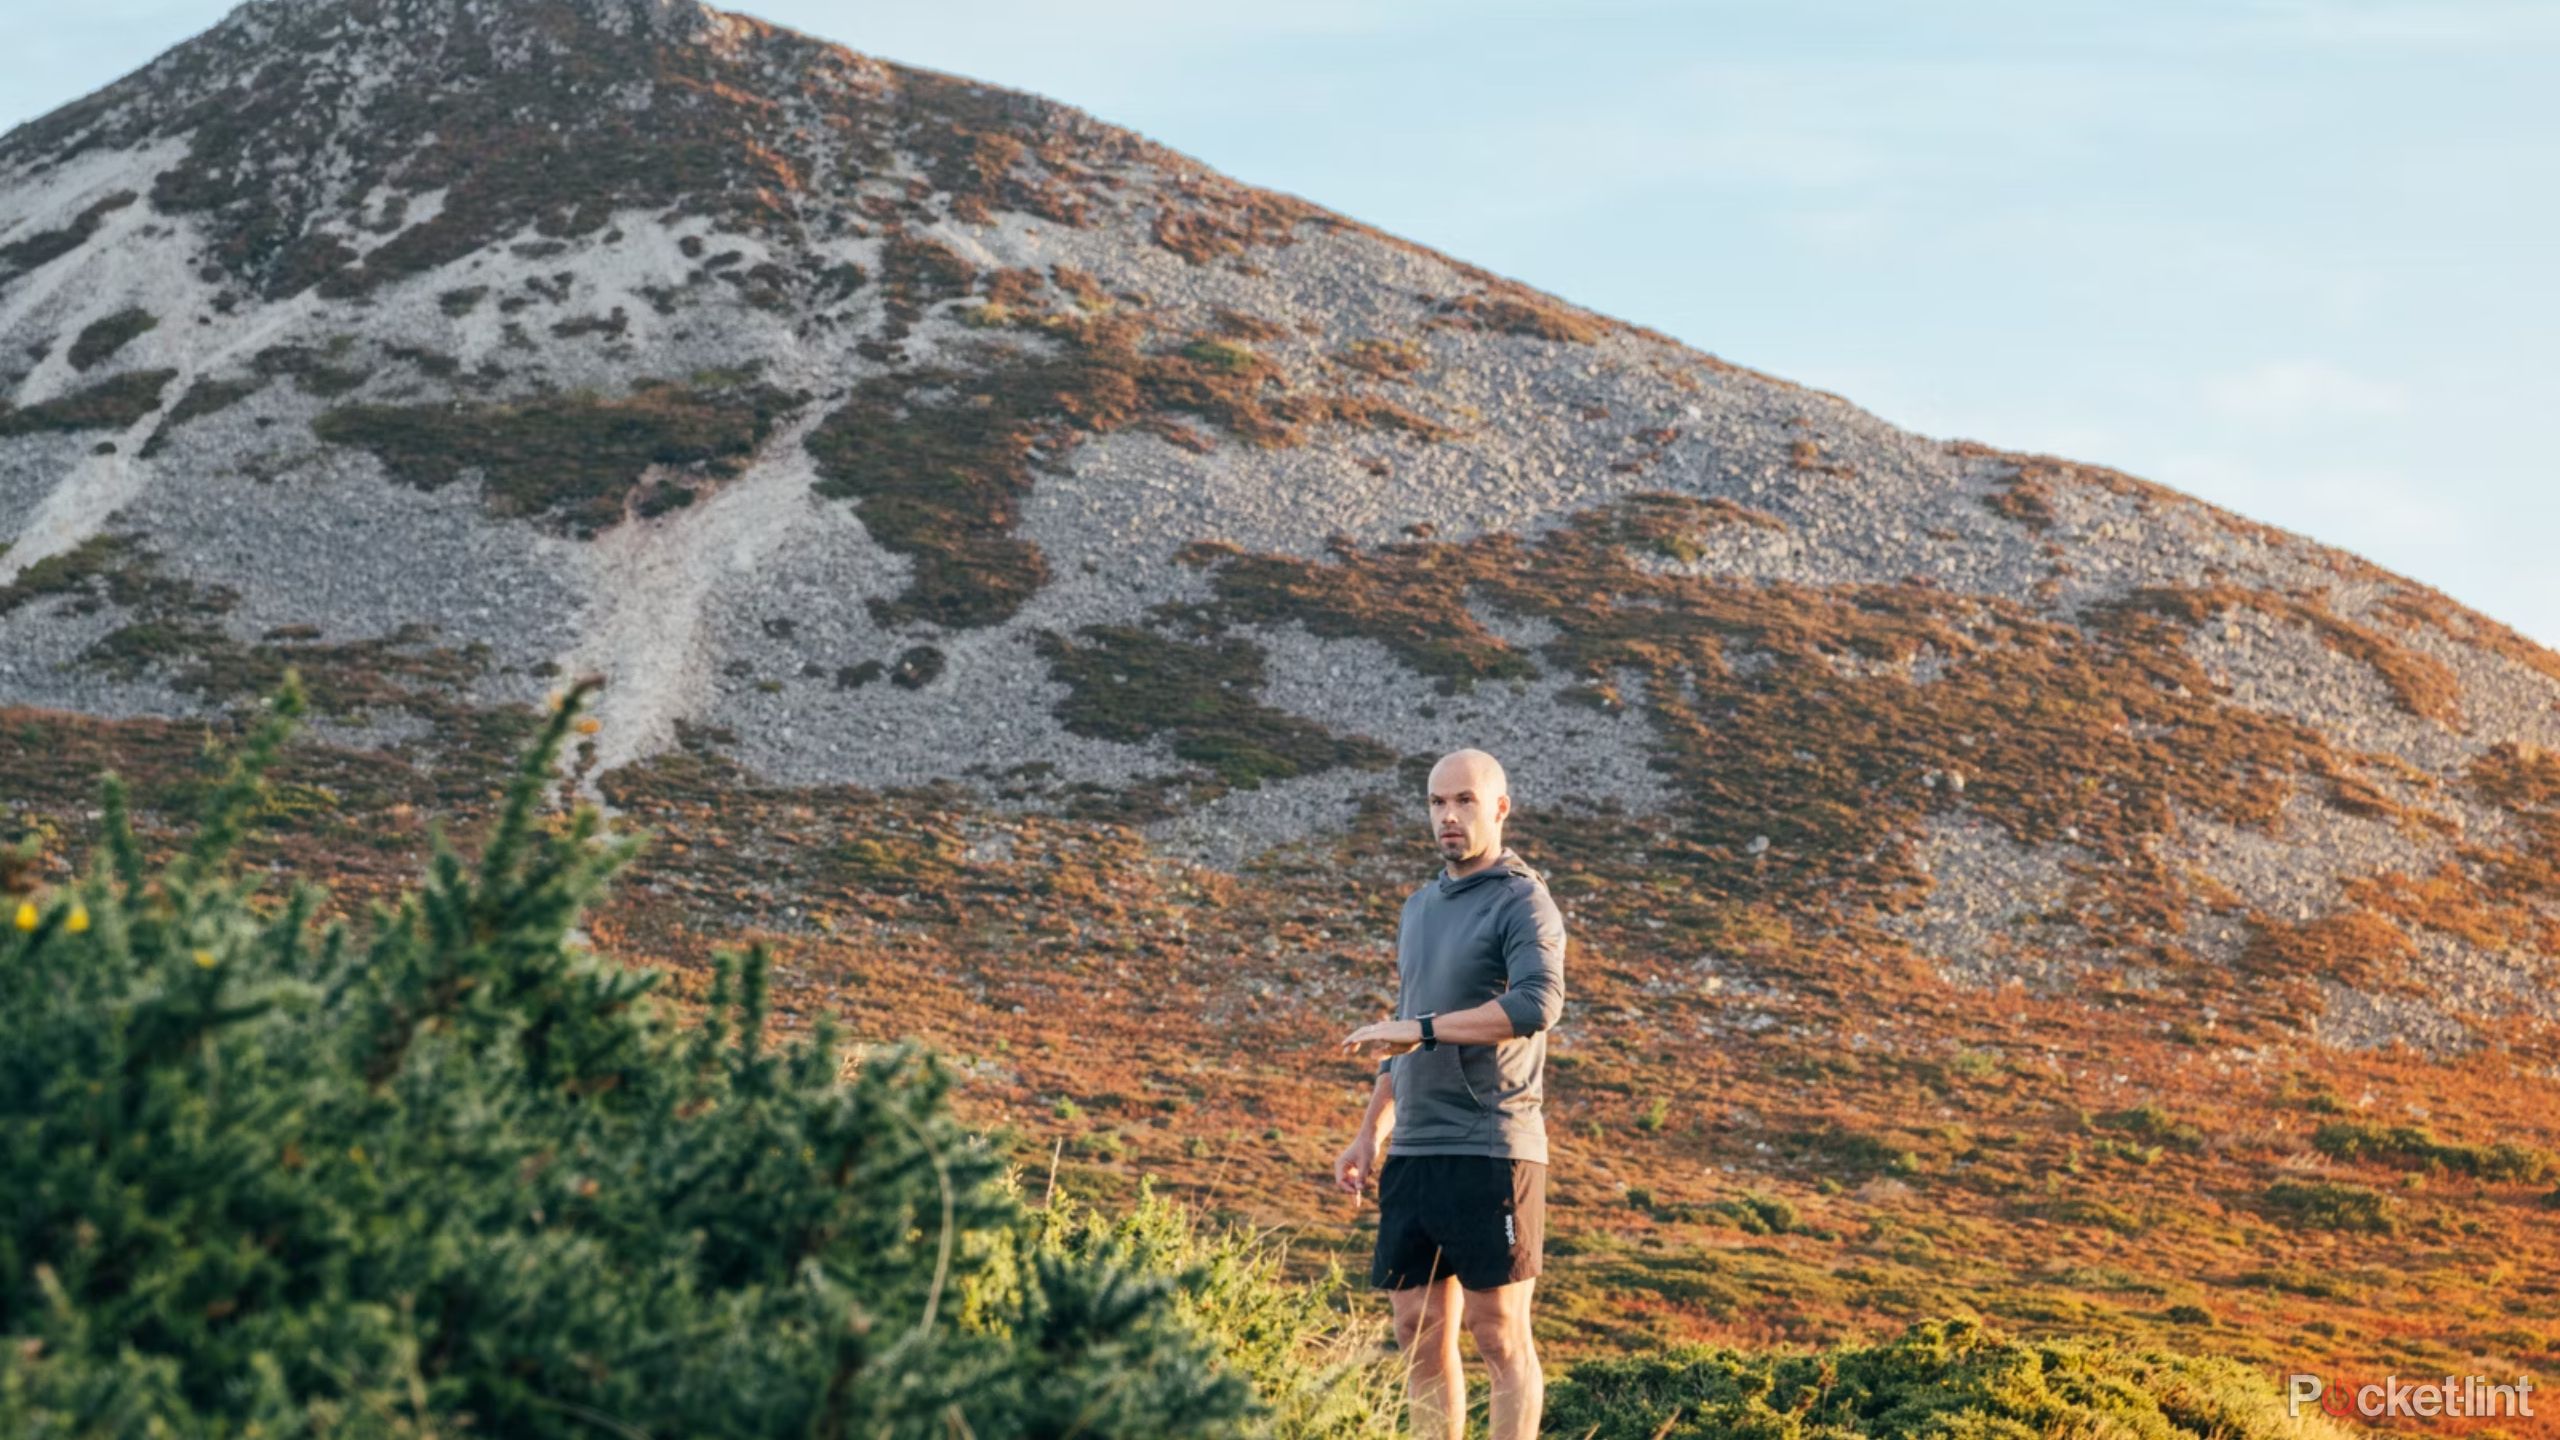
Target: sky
x,y
2300,258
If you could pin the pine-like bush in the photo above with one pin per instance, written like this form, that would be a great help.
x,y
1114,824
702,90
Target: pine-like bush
x,y
445,1172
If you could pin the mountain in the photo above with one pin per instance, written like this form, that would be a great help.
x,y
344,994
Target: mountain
x,y
1030,572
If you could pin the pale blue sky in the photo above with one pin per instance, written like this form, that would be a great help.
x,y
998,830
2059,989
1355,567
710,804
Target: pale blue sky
x,y
2299,257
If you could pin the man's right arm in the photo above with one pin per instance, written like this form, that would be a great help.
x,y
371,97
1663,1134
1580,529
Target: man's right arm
x,y
1356,1168
1381,1117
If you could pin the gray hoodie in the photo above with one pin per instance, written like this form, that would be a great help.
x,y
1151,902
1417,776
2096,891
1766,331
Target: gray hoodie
x,y
1494,935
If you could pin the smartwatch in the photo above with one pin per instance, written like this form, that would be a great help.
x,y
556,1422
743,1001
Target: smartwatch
x,y
1429,1040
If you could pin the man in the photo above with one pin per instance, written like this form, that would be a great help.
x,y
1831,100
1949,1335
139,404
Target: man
x,y
1458,1108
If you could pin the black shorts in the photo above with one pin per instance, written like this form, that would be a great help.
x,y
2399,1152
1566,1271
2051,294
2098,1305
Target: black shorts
x,y
1482,1218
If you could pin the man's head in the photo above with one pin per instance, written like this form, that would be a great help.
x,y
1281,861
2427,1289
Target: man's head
x,y
1470,798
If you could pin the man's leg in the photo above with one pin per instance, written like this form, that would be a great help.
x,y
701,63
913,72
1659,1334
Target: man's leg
x,y
1435,1380
1499,1319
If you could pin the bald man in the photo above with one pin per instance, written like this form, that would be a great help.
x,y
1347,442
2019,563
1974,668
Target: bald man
x,y
1458,1109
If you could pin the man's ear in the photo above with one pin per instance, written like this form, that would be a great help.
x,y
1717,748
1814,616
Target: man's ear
x,y
1502,809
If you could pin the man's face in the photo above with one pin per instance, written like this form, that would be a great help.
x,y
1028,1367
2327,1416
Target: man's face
x,y
1467,811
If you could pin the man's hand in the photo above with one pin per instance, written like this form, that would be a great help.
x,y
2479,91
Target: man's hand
x,y
1390,1037
1354,1167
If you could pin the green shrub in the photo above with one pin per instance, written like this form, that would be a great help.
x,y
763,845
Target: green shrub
x,y
2319,1284
1857,1152
109,404
1132,685
2153,1123
569,460
2081,1210
103,338
2327,1205
1755,1213
1940,1378
2414,1147
1975,1064
456,1172
1315,1374
1220,355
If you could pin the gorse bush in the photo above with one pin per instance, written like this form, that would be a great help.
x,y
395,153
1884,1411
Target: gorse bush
x,y
449,1173
1317,1375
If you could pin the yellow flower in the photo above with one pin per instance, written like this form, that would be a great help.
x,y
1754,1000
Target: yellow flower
x,y
204,959
588,725
79,921
26,914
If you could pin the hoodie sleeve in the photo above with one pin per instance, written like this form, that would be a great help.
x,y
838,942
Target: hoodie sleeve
x,y
1386,1063
1533,958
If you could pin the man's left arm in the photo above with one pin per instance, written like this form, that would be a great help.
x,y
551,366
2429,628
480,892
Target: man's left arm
x,y
1533,959
1533,962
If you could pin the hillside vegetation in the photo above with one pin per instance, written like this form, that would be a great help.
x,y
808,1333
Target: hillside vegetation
x,y
445,1171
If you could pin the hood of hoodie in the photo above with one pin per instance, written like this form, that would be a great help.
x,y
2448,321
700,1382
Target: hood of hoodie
x,y
1506,863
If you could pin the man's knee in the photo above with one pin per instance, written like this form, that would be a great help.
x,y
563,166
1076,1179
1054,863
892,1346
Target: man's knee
x,y
1424,1323
1501,1336
1498,1318
1408,1331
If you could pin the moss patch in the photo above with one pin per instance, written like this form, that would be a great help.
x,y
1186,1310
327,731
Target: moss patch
x,y
2419,683
172,629
111,570
110,404
1397,360
102,338
1520,311
2024,495
315,370
45,246
1202,216
917,667
204,397
573,462
942,459
1132,685
210,397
